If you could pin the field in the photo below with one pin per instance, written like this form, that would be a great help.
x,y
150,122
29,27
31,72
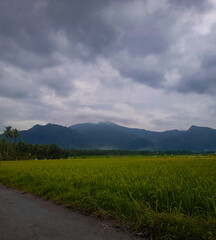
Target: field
x,y
160,197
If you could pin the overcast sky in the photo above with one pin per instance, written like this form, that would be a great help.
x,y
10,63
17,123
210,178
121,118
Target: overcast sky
x,y
139,63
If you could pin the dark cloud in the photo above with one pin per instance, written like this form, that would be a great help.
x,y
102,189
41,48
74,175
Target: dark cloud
x,y
31,25
150,78
203,81
26,24
152,35
29,29
24,34
156,33
83,23
62,86
52,49
208,62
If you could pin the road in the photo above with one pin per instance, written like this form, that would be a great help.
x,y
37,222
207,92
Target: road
x,y
27,217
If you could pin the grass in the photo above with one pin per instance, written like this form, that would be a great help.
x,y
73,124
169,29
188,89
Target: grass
x,y
163,197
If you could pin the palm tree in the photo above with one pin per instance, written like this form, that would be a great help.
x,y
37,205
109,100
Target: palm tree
x,y
15,134
7,133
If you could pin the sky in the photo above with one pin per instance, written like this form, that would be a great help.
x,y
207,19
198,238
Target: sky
x,y
139,63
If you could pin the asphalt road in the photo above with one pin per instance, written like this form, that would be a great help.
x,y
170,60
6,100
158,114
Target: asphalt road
x,y
26,217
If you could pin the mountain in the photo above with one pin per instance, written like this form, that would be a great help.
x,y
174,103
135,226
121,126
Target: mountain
x,y
51,133
111,135
197,139
108,135
115,136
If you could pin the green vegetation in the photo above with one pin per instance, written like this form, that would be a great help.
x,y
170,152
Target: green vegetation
x,y
23,151
161,197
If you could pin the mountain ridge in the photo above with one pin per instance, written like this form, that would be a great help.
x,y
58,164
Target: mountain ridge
x,y
108,135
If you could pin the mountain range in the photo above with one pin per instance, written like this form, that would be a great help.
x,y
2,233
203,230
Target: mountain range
x,y
108,135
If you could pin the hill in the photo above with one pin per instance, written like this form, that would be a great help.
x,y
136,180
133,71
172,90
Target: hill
x,y
108,135
51,133
197,139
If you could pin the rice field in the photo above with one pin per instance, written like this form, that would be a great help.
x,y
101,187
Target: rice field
x,y
158,197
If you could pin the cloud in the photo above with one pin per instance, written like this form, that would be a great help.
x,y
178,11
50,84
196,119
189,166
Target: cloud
x,y
82,59
164,31
15,83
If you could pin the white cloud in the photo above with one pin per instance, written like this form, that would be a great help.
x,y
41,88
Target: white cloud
x,y
172,77
204,22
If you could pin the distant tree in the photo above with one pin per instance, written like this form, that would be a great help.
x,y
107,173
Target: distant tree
x,y
7,133
15,134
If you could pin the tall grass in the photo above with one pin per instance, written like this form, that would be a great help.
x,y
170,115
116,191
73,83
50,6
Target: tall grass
x,y
166,198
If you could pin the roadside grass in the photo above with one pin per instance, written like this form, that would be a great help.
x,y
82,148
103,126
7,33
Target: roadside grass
x,y
160,198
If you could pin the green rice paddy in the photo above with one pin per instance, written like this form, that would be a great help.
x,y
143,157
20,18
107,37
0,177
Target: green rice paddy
x,y
160,197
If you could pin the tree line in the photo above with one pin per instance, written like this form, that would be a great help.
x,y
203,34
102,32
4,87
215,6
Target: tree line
x,y
10,149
